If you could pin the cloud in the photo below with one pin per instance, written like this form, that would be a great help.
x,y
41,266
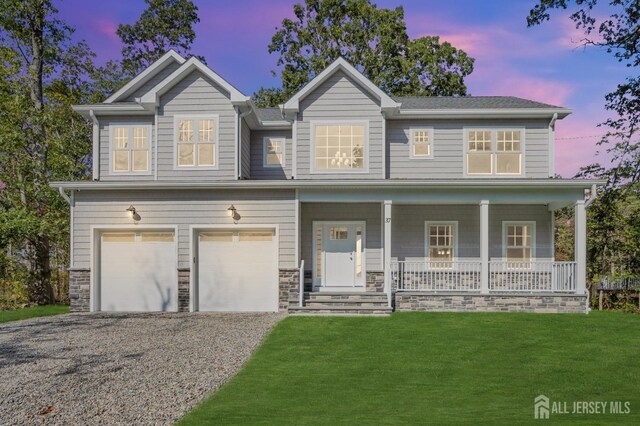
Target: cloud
x,y
107,28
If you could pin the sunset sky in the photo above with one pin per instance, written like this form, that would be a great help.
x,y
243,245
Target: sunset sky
x,y
544,63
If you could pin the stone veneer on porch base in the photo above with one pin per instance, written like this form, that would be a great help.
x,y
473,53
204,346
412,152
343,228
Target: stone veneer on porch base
x,y
289,287
456,302
184,276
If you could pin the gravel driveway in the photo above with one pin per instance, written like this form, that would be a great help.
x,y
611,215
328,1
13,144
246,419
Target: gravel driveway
x,y
120,368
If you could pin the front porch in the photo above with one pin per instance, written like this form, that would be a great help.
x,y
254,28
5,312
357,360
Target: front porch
x,y
421,254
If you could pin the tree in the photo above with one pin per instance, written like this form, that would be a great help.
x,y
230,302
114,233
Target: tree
x,y
373,40
42,72
164,25
614,218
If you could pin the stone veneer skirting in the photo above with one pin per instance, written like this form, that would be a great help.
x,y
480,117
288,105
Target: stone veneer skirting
x,y
375,282
184,276
289,287
79,288
497,302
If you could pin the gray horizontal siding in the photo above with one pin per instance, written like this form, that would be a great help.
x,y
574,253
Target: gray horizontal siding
x,y
258,171
339,98
448,148
197,95
246,151
408,229
370,213
182,209
154,81
105,168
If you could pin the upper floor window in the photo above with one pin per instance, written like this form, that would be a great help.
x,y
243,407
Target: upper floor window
x,y
196,141
421,143
339,147
494,152
273,152
130,148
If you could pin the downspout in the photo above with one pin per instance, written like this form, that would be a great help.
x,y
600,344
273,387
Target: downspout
x,y
96,146
240,117
64,195
552,146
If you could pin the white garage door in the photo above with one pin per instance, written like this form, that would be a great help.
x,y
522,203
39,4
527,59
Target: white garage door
x,y
138,271
238,270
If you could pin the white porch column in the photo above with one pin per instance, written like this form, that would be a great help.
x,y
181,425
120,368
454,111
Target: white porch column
x,y
580,241
387,249
484,246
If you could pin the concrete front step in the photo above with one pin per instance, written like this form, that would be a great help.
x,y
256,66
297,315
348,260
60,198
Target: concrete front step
x,y
322,296
347,303
339,310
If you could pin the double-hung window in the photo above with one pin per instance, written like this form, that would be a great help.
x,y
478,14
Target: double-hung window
x,y
494,152
339,147
130,148
518,243
273,152
196,142
441,244
421,143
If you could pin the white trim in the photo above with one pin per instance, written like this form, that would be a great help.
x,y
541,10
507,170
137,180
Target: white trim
x,y
386,102
283,144
322,223
146,75
531,223
95,158
298,234
552,145
130,125
193,253
153,95
236,136
312,153
94,254
155,144
196,119
494,151
412,132
484,113
384,144
454,224
72,204
294,148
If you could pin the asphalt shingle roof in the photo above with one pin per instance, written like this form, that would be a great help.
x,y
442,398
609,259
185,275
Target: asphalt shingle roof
x,y
269,114
467,102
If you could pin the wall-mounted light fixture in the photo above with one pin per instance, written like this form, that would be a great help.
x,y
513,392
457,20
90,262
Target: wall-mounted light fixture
x,y
232,212
133,214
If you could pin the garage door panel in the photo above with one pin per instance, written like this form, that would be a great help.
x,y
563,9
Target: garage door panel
x,y
139,276
238,275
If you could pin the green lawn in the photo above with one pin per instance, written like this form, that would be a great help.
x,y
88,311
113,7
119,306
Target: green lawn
x,y
35,311
416,368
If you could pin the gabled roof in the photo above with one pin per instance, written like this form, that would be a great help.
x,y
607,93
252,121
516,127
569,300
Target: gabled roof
x,y
139,80
386,103
152,96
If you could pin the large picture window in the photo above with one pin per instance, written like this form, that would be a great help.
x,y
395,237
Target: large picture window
x,y
494,152
441,244
340,147
196,142
130,149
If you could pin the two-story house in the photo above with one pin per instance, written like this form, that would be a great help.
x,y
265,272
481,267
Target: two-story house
x,y
343,200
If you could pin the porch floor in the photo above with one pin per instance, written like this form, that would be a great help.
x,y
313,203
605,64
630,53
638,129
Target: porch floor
x,y
341,303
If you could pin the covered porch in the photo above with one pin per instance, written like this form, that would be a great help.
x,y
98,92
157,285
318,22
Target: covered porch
x,y
424,248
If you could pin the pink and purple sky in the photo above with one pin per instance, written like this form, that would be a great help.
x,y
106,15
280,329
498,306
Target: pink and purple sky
x,y
544,63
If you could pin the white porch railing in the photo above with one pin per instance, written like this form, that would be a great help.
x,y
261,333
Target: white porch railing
x,y
436,276
536,276
301,284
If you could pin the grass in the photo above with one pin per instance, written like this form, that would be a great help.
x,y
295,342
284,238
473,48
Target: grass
x,y
33,312
435,368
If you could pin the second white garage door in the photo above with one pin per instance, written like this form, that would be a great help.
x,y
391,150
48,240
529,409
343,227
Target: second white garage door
x,y
238,270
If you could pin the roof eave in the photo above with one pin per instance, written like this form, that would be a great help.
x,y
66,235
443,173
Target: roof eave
x,y
485,113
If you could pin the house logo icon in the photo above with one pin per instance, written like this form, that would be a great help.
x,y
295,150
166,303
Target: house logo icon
x,y
541,407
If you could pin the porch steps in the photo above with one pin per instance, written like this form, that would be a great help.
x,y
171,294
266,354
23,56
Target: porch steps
x,y
341,304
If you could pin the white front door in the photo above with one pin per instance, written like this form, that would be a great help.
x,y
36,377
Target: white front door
x,y
342,254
